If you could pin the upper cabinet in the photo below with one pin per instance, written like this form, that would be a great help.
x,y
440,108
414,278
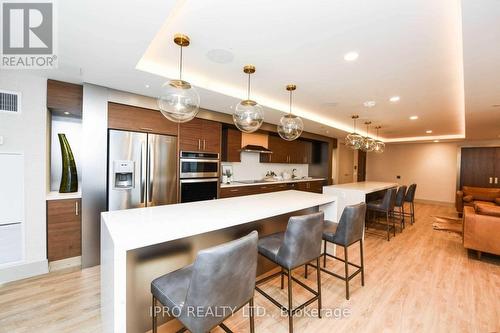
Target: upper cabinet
x,y
231,145
133,118
200,135
64,97
292,152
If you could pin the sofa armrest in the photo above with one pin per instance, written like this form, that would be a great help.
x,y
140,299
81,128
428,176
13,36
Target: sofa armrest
x,y
481,232
459,202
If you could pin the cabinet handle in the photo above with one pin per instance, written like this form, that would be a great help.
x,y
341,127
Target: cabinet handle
x,y
234,190
199,144
147,129
76,208
263,187
491,180
204,144
496,180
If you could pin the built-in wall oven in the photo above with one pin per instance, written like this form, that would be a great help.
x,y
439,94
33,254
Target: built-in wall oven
x,y
199,176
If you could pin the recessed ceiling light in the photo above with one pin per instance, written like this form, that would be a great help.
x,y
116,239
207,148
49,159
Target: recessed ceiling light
x,y
351,56
66,112
147,86
369,104
428,131
394,99
435,141
413,117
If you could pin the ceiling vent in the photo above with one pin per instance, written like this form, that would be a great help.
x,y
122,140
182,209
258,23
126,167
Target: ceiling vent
x,y
10,101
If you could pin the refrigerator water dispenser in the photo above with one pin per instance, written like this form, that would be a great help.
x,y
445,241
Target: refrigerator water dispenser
x,y
123,174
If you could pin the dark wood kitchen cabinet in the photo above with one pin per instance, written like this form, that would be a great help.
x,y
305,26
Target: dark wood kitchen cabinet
x,y
65,97
231,145
315,186
63,229
200,135
236,191
291,152
133,118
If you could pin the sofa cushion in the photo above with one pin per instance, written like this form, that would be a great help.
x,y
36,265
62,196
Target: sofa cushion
x,y
468,198
497,201
485,203
482,193
488,210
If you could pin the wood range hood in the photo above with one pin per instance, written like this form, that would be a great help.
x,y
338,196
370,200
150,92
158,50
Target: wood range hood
x,y
255,143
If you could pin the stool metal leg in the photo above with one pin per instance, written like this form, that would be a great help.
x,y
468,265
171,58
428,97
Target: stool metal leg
x,y
153,315
324,255
290,318
362,262
283,278
387,222
318,273
252,320
346,273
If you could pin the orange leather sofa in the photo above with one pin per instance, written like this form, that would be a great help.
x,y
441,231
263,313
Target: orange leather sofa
x,y
481,228
470,196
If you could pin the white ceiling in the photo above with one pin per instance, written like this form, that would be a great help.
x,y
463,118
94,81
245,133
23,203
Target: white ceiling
x,y
409,48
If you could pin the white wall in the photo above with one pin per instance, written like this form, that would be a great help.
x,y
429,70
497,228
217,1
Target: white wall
x,y
432,166
26,133
250,167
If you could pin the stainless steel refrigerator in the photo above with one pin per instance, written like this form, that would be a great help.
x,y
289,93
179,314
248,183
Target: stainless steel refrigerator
x,y
142,170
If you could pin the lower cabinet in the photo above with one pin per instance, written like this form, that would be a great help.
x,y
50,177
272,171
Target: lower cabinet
x,y
63,229
236,191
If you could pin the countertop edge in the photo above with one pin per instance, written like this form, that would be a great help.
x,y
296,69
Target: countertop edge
x,y
236,184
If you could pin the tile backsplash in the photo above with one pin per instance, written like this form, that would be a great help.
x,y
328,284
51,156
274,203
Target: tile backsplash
x,y
250,167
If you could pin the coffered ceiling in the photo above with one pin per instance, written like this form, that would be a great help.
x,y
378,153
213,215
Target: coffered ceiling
x,y
413,49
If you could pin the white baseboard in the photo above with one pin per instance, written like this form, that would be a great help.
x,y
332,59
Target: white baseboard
x,y
23,271
65,263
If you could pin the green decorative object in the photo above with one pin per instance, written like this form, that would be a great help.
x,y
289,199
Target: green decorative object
x,y
69,178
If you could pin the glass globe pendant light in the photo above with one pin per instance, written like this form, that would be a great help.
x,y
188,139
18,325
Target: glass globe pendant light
x,y
354,140
290,127
379,145
179,101
368,143
248,115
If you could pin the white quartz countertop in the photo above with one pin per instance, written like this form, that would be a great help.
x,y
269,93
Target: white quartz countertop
x,y
55,195
136,228
365,187
237,184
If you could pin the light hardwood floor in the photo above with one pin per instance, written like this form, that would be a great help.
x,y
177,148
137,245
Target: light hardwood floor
x,y
421,281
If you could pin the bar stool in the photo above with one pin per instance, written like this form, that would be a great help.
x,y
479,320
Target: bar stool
x,y
299,244
345,233
222,277
400,205
410,198
386,205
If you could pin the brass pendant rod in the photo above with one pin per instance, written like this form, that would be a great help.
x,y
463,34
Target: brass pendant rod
x,y
180,65
248,92
290,102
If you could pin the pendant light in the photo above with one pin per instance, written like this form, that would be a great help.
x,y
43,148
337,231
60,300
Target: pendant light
x,y
179,101
379,145
368,143
248,115
290,127
354,140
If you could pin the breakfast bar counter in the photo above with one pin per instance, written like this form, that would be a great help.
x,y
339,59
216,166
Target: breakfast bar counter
x,y
138,245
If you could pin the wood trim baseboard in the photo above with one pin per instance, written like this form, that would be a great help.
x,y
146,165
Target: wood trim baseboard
x,y
434,202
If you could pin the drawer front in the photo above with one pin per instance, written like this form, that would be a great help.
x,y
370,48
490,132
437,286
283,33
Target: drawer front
x,y
229,192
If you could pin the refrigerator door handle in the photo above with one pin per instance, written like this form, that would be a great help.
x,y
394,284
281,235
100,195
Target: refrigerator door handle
x,y
150,173
142,173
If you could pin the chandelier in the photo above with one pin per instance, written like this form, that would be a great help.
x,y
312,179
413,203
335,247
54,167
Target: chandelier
x,y
368,143
179,101
248,114
379,145
354,140
290,127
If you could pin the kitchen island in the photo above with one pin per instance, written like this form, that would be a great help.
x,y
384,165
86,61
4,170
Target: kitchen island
x,y
138,245
354,193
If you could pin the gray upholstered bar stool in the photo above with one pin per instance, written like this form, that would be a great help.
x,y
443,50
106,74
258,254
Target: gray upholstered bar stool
x,y
400,205
386,206
347,232
221,278
410,198
298,245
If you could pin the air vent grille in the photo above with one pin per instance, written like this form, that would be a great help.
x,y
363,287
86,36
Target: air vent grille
x,y
10,101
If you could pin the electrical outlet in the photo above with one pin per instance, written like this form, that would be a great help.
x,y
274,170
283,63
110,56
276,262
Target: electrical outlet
x,y
398,177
